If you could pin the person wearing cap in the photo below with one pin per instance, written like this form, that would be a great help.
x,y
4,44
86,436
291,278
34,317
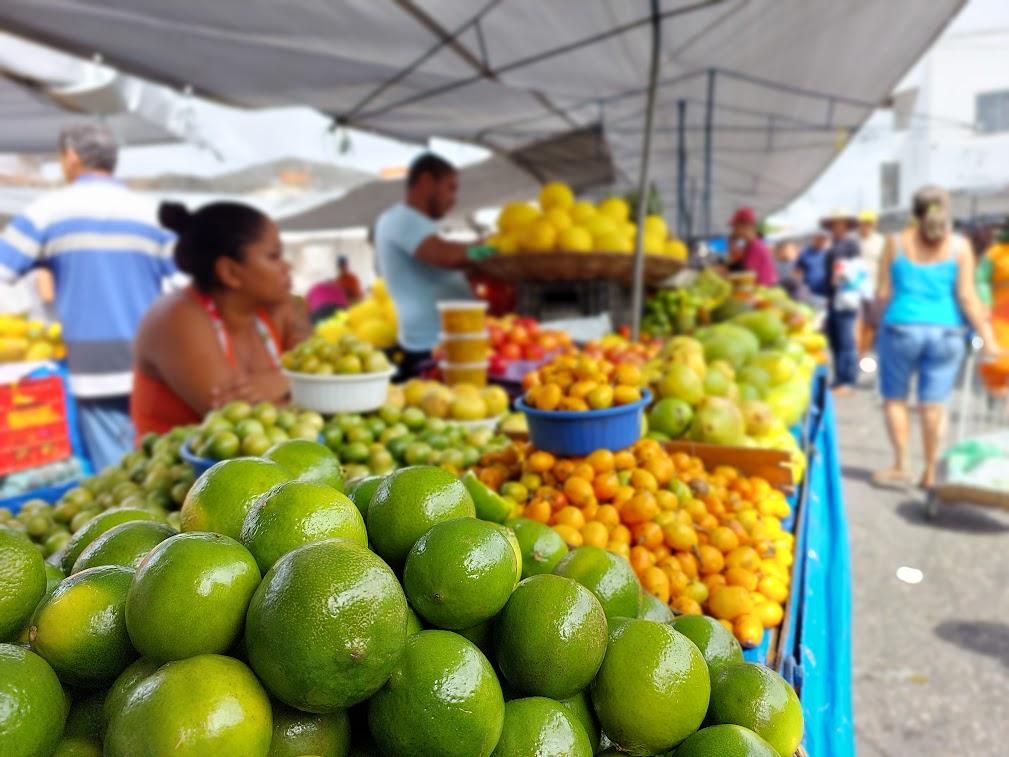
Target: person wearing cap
x,y
846,276
870,244
109,258
926,285
747,251
419,266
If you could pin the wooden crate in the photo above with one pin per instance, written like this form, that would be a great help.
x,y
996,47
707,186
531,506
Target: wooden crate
x,y
769,464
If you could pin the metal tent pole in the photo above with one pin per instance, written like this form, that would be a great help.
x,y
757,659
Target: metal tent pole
x,y
709,115
681,168
638,286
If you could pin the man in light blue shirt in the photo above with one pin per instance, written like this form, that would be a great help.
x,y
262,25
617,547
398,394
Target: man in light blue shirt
x,y
108,256
419,267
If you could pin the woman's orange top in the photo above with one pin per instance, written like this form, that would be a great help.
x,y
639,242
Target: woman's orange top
x,y
154,407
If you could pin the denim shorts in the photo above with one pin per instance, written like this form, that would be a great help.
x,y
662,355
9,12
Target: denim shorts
x,y
933,352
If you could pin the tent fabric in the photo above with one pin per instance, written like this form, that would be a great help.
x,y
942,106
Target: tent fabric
x,y
792,78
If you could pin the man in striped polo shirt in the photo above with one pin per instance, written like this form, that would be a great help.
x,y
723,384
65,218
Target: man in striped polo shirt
x,y
109,258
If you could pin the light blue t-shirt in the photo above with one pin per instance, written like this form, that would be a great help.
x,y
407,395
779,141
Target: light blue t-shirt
x,y
415,286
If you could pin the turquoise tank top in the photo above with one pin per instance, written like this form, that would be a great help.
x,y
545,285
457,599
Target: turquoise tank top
x,y
923,293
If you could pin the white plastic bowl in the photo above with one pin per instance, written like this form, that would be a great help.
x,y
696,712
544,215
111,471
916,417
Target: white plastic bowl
x,y
340,393
491,423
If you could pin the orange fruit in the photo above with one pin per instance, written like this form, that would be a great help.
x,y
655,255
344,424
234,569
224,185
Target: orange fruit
x,y
661,468
686,605
723,539
741,577
641,559
743,557
770,613
584,470
602,461
578,490
621,533
538,510
620,548
689,564
648,535
641,508
626,395
714,581
563,469
573,404
608,515
628,374
605,486
730,602
581,389
697,591
540,461
624,460
680,537
678,581
641,479
595,534
590,509
749,630
666,499
773,588
711,560
571,536
655,581
570,516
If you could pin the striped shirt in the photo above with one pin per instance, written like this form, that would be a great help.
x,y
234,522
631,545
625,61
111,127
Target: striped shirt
x,y
109,257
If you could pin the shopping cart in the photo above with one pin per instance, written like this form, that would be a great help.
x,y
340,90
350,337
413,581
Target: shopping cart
x,y
975,468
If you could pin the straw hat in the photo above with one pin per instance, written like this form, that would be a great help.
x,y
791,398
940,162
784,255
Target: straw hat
x,y
839,214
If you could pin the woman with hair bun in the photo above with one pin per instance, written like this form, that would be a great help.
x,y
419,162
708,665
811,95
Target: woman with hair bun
x,y
219,339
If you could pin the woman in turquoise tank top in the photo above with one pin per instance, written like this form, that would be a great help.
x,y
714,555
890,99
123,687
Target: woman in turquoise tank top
x,y
926,281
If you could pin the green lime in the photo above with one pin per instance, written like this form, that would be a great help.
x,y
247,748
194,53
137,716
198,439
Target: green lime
x,y
265,413
755,697
460,573
255,444
541,727
607,575
81,629
34,707
203,705
53,577
297,513
308,461
551,637
725,741
297,733
580,706
362,490
126,544
326,626
653,608
413,623
717,644
542,547
220,499
670,416
189,596
96,527
652,689
22,582
489,504
408,503
85,725
442,698
136,673
221,445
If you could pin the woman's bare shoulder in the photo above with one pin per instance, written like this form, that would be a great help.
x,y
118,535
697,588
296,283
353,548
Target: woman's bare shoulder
x,y
171,312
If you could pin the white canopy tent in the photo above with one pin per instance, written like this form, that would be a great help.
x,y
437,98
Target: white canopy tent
x,y
754,99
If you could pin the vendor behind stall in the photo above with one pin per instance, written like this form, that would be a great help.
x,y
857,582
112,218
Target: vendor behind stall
x,y
747,251
221,338
420,268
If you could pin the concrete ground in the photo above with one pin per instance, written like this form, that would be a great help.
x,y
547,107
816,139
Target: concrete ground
x,y
930,660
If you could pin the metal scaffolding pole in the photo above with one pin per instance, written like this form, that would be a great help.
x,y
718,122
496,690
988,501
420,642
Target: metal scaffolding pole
x,y
709,116
681,168
638,286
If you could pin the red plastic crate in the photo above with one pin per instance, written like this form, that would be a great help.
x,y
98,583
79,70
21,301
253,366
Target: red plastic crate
x,y
33,424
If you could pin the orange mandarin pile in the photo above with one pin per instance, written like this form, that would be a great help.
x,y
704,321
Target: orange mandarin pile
x,y
700,541
582,382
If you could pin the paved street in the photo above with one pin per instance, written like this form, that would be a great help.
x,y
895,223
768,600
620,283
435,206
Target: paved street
x,y
931,660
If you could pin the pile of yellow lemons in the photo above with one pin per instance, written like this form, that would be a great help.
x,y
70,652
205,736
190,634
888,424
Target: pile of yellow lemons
x,y
372,319
562,223
27,339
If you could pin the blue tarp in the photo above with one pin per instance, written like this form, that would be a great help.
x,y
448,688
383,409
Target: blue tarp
x,y
821,665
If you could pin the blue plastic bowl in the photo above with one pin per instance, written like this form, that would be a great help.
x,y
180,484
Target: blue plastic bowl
x,y
200,465
575,433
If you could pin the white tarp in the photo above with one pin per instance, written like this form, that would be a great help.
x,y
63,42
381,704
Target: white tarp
x,y
793,77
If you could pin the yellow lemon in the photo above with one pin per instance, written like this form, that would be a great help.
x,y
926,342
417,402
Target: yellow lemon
x,y
507,244
675,248
656,226
539,236
653,244
612,241
516,215
556,194
616,208
558,218
600,225
575,239
582,211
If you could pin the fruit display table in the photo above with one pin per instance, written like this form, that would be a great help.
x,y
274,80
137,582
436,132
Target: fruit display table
x,y
817,657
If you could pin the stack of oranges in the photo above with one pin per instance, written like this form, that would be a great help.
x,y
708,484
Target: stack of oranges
x,y
701,541
581,382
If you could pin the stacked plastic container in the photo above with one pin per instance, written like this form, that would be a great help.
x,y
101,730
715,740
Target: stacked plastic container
x,y
465,342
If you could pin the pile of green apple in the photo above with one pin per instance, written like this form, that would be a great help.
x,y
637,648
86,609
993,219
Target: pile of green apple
x,y
152,477
347,355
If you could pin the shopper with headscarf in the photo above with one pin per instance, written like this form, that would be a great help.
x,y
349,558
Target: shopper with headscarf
x,y
926,282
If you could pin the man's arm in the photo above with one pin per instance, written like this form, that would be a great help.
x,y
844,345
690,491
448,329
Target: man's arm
x,y
439,252
21,245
